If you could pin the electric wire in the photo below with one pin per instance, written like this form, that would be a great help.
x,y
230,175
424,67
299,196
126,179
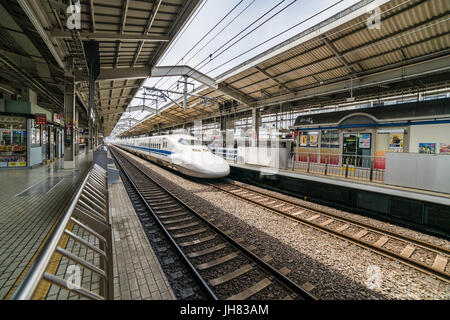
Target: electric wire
x,y
370,45
198,42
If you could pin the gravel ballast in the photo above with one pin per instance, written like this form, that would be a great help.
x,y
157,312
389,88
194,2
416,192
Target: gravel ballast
x,y
336,268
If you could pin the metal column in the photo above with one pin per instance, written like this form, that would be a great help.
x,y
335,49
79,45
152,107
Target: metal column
x,y
91,139
256,122
69,117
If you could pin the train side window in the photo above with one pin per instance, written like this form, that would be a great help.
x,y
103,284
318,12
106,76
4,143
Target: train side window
x,y
183,142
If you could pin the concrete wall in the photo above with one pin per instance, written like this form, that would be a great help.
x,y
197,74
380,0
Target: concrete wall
x,y
268,157
420,171
433,133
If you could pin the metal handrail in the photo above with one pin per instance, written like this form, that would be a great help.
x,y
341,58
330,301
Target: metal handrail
x,y
37,272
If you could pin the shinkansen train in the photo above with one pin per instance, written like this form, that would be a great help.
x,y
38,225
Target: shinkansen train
x,y
183,153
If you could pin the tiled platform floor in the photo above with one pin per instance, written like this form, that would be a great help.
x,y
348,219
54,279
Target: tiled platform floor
x,y
137,272
30,203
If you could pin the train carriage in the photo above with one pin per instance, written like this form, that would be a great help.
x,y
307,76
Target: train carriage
x,y
183,153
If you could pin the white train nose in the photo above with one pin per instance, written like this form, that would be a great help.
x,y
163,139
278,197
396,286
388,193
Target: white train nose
x,y
210,166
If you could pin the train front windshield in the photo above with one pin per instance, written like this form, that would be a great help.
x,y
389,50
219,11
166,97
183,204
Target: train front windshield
x,y
191,142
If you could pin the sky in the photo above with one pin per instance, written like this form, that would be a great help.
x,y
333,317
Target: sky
x,y
210,12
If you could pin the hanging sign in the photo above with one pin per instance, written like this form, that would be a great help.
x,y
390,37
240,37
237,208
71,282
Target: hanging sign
x,y
41,119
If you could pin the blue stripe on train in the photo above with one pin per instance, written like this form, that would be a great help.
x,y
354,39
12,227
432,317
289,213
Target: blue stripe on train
x,y
157,151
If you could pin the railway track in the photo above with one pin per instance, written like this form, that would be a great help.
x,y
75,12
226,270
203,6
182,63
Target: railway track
x,y
222,267
420,255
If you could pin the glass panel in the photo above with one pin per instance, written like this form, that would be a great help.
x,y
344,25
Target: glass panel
x,y
6,137
13,146
191,142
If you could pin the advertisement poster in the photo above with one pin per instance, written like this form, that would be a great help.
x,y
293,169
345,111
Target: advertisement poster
x,y
364,141
444,148
313,140
303,141
396,140
427,148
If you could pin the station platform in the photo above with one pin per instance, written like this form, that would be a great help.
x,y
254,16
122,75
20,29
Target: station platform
x,y
428,211
30,207
137,272
30,204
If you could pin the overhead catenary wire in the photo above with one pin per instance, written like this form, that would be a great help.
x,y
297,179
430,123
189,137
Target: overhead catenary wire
x,y
211,30
176,41
277,35
309,44
240,32
378,43
382,42
249,26
184,30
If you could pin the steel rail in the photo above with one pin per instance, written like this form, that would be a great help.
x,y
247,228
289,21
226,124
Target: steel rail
x,y
286,282
203,285
364,244
433,247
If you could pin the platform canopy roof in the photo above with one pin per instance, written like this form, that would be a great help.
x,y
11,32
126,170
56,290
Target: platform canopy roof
x,y
37,46
328,63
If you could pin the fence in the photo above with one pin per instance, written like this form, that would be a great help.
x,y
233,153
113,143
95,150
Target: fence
x,y
87,214
369,168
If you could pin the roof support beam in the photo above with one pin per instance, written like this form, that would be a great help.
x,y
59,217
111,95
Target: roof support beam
x,y
124,15
91,5
109,74
236,94
112,113
122,27
171,71
147,29
58,34
128,120
111,88
103,108
141,108
336,52
391,75
118,74
273,79
116,98
170,117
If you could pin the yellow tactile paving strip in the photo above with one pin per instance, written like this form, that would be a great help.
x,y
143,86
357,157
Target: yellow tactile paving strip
x,y
43,288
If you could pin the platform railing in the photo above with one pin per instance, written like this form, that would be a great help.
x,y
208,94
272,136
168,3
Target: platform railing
x,y
367,168
87,213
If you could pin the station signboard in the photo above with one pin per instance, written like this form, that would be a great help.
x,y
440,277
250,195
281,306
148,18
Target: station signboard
x,y
40,119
